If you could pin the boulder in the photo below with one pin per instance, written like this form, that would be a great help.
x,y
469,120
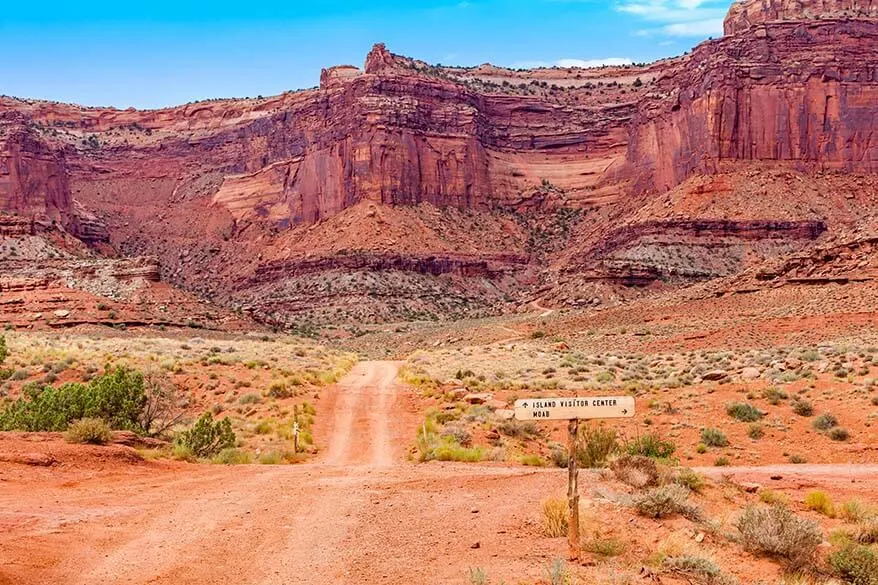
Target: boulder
x,y
478,398
750,373
715,375
505,414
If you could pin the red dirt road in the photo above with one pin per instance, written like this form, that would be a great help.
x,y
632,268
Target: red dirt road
x,y
360,514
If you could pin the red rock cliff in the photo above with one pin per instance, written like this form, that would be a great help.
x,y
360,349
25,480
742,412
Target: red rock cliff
x,y
804,93
744,14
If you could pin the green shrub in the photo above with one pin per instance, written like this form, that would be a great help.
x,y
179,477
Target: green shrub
x,y
855,564
117,397
207,437
651,445
744,412
714,438
689,479
537,334
596,444
721,461
664,501
774,395
272,458
797,459
251,398
755,431
89,430
279,390
232,456
775,531
824,422
3,351
803,407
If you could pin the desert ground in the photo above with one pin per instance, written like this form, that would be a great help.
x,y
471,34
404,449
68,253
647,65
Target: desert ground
x,y
414,472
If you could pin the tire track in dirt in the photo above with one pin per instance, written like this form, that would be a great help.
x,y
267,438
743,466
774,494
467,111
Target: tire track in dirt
x,y
365,405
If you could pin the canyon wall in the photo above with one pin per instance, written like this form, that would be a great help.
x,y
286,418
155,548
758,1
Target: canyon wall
x,y
225,192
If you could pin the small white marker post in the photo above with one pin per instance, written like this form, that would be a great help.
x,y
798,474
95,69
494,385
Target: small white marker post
x,y
296,429
573,410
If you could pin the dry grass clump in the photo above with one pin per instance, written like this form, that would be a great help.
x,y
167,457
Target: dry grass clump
x,y
698,570
776,532
664,501
772,497
554,514
605,546
867,531
821,502
94,431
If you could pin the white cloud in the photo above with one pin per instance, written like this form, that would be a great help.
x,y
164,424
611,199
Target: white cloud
x,y
677,18
570,62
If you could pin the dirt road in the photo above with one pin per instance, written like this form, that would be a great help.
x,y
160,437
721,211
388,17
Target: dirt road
x,y
360,514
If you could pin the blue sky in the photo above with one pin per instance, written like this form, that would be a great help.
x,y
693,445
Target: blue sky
x,y
161,53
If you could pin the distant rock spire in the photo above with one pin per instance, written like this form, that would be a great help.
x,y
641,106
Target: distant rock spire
x,y
379,59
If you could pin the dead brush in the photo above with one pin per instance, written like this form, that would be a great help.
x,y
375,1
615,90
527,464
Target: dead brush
x,y
776,532
698,570
636,471
667,500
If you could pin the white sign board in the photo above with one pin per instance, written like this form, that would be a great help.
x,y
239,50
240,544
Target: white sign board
x,y
581,407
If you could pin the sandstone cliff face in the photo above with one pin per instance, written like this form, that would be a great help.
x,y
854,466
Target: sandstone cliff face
x,y
33,176
800,93
744,14
34,184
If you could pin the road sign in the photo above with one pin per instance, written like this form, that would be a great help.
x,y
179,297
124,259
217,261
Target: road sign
x,y
574,409
580,407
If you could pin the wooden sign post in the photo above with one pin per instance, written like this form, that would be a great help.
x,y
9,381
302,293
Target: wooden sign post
x,y
573,545
572,410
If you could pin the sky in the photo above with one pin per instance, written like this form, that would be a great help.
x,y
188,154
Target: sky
x,y
157,53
